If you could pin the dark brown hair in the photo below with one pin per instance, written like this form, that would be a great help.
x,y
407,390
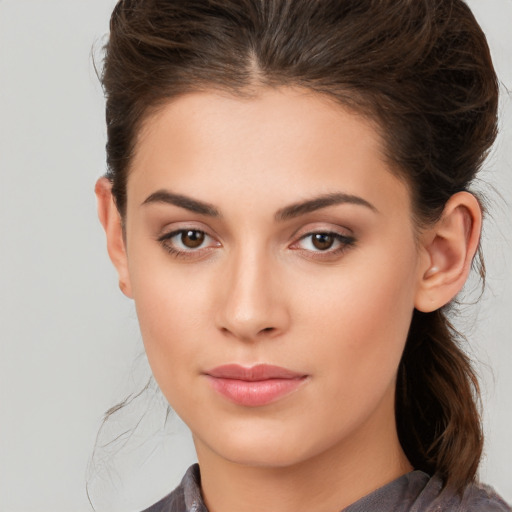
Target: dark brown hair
x,y
420,69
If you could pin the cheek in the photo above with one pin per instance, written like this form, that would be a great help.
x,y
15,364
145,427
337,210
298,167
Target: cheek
x,y
172,312
360,320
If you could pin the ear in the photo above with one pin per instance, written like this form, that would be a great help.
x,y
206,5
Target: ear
x,y
112,224
448,248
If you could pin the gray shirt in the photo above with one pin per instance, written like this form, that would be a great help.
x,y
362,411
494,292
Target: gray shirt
x,y
414,492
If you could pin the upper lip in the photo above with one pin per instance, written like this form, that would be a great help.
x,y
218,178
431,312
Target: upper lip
x,y
254,373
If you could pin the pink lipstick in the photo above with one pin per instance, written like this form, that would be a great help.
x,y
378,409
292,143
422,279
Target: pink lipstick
x,y
255,386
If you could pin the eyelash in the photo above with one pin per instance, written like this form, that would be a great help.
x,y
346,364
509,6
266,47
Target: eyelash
x,y
177,252
345,242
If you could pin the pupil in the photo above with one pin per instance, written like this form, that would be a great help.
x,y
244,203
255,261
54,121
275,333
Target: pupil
x,y
192,239
323,241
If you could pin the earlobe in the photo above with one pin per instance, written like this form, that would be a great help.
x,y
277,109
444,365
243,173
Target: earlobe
x,y
449,247
112,224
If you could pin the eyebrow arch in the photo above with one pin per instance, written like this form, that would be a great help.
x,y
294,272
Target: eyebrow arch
x,y
317,203
193,205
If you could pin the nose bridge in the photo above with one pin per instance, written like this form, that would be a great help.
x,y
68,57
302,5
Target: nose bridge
x,y
252,306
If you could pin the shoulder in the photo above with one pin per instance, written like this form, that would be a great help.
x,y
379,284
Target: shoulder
x,y
418,492
185,498
480,497
477,497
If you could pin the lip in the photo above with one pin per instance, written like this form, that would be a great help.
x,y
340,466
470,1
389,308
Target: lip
x,y
254,386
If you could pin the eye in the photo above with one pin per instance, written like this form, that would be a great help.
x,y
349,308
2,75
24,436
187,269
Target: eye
x,y
181,242
330,243
192,239
322,241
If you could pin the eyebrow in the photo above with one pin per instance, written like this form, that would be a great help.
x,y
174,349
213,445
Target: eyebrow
x,y
317,203
286,213
193,205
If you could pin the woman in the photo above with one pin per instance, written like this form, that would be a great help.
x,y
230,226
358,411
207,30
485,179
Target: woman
x,y
288,204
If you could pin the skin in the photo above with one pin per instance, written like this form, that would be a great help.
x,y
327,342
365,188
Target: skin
x,y
258,290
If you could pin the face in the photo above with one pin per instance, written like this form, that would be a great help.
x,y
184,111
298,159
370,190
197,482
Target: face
x,y
272,259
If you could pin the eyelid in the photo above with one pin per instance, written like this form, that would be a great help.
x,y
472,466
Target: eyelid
x,y
340,237
322,225
343,241
190,225
165,238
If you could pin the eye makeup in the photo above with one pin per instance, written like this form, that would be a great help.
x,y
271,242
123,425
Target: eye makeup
x,y
323,245
187,243
192,243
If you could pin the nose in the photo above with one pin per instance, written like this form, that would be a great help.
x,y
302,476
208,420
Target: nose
x,y
252,305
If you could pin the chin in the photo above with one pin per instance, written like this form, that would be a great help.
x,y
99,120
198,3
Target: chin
x,y
264,457
257,448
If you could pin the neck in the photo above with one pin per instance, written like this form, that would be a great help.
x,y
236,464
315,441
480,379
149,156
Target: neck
x,y
327,482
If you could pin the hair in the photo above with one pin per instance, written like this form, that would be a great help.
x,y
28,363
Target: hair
x,y
420,69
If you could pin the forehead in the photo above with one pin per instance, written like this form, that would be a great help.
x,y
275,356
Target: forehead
x,y
282,143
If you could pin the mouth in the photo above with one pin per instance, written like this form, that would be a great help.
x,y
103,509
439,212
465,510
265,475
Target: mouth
x,y
254,386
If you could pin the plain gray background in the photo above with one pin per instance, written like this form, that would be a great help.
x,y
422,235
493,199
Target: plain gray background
x,y
70,346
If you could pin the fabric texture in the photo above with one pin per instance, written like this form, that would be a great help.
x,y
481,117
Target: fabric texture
x,y
414,492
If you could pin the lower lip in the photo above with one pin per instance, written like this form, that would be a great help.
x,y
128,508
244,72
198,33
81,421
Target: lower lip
x,y
255,393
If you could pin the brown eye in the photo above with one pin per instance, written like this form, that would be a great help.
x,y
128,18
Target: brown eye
x,y
192,239
322,241
326,243
188,243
